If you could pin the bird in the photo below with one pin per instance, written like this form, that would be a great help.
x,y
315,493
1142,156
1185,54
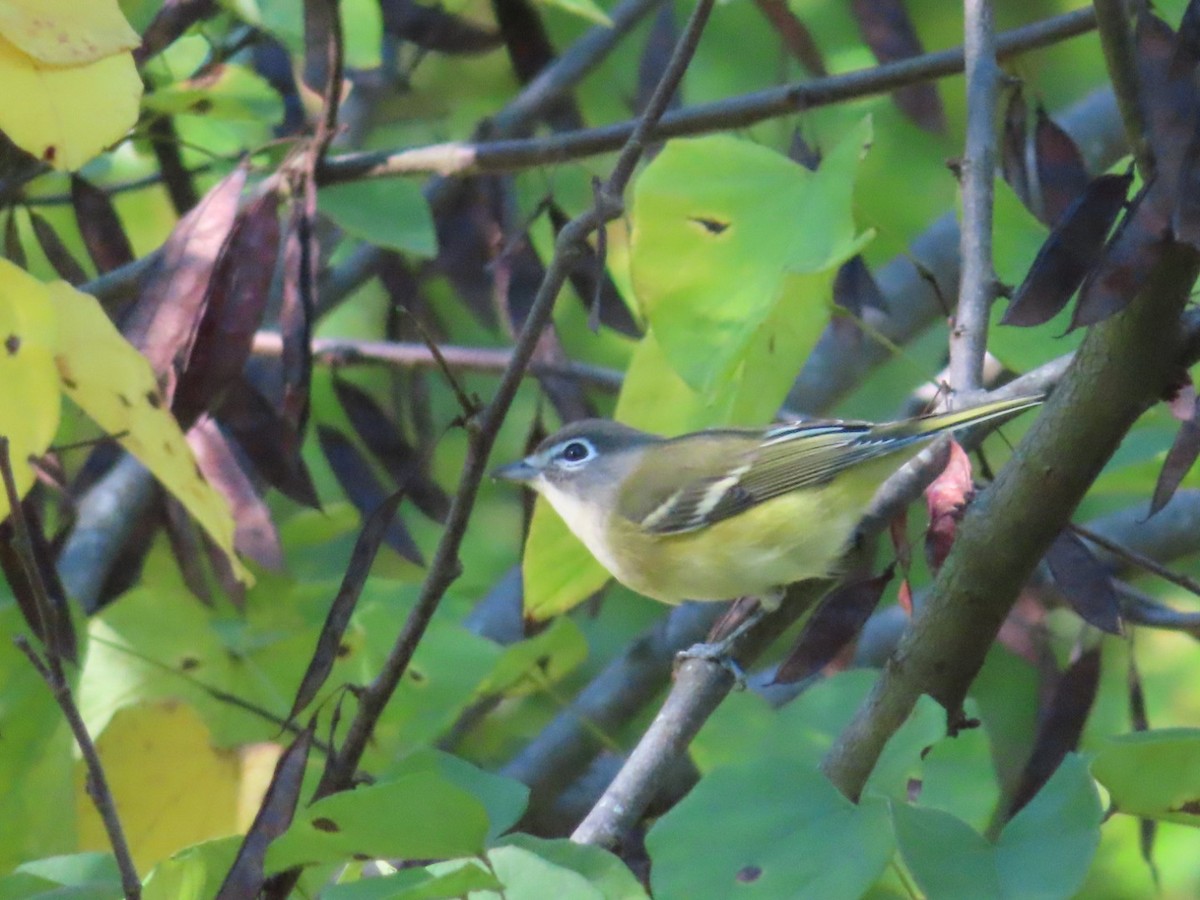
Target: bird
x,y
726,512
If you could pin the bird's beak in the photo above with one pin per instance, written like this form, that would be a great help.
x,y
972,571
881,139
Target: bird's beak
x,y
522,471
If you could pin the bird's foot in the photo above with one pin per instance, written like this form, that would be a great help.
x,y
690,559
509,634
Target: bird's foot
x,y
716,652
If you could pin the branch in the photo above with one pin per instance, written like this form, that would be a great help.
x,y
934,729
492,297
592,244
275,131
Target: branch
x,y
465,158
1121,367
445,566
1116,40
348,351
977,289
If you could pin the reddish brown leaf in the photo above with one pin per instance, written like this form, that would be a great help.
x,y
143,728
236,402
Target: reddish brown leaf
x,y
432,28
898,532
795,36
232,310
391,450
56,252
1182,402
594,287
1180,459
1061,726
1070,252
103,234
1168,102
363,489
374,531
163,321
247,875
1012,145
255,535
469,234
524,35
1084,582
268,441
296,313
946,499
832,625
1061,172
886,27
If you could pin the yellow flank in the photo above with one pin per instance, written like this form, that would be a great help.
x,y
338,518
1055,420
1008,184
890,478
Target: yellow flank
x,y
796,536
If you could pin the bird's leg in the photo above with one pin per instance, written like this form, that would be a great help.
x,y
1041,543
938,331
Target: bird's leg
x,y
718,651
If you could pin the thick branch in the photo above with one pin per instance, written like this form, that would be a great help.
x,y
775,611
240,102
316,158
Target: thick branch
x,y
1122,366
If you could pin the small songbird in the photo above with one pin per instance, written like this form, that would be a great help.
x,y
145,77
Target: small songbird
x,y
726,513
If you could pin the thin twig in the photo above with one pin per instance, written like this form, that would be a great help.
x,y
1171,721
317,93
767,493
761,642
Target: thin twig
x,y
444,567
977,287
1141,560
347,351
1120,58
465,158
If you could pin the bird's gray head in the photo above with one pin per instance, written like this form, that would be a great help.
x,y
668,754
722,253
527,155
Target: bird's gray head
x,y
584,459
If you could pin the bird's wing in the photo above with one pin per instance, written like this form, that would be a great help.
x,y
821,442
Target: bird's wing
x,y
787,459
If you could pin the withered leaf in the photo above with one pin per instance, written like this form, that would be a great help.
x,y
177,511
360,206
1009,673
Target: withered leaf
x,y
56,251
101,228
300,252
1061,172
888,30
13,251
248,873
1069,253
1012,145
401,460
432,28
1180,459
232,310
329,642
794,34
363,489
1084,582
832,625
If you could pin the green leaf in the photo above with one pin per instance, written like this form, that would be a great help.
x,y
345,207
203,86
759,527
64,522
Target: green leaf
x,y
771,829
418,816
1155,774
586,9
195,873
718,225
390,212
603,871
529,665
1045,851
460,879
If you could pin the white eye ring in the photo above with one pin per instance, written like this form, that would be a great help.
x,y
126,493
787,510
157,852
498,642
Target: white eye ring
x,y
575,452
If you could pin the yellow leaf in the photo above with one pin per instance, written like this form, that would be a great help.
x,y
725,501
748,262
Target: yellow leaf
x,y
66,115
30,404
113,383
66,32
172,787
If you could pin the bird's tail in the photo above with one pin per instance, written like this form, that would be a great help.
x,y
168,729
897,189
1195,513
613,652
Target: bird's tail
x,y
936,423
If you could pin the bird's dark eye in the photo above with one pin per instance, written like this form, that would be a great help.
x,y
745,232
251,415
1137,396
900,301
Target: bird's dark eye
x,y
575,451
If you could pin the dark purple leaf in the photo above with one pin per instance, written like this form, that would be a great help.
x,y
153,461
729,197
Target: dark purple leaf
x,y
1128,260
888,30
1071,250
13,251
184,539
56,252
247,875
49,620
529,50
255,535
363,489
1062,724
322,33
300,252
1185,218
1012,145
165,317
1186,53
1061,172
593,285
796,38
832,625
166,145
1180,459
432,28
401,460
1168,102
232,310
469,234
855,290
268,442
1084,582
329,642
173,18
660,43
101,228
